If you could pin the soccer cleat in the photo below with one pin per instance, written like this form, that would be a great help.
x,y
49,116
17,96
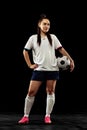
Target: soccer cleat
x,y
47,120
24,120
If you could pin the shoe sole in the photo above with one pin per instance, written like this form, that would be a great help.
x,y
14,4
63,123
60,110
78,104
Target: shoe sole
x,y
23,123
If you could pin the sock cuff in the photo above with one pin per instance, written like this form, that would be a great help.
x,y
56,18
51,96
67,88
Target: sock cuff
x,y
30,98
50,95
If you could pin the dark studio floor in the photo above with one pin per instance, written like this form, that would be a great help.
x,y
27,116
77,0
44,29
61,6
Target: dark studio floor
x,y
59,122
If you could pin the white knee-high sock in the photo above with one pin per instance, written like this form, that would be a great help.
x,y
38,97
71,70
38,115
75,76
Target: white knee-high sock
x,y
28,105
50,103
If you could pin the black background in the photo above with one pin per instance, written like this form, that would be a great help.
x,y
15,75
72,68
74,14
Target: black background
x,y
18,22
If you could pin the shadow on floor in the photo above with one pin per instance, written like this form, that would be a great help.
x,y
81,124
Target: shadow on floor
x,y
59,122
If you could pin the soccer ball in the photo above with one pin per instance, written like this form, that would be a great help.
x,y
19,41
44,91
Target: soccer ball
x,y
63,63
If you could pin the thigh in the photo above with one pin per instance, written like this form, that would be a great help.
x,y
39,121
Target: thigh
x,y
50,85
34,86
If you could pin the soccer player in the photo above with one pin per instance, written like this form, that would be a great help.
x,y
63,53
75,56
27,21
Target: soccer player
x,y
44,66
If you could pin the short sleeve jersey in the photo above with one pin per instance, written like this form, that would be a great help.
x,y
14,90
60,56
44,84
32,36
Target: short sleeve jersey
x,y
44,55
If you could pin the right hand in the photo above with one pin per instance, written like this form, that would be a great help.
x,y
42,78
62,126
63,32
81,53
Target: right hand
x,y
33,66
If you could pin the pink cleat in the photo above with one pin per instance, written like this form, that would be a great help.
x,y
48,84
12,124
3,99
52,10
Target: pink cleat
x,y
47,120
24,120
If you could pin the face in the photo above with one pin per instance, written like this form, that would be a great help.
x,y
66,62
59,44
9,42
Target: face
x,y
44,25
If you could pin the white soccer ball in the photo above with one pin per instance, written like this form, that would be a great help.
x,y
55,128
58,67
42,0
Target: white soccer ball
x,y
63,63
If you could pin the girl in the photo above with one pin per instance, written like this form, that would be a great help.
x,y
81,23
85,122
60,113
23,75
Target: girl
x,y
44,66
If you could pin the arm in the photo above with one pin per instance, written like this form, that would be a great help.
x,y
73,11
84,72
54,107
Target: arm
x,y
27,60
65,53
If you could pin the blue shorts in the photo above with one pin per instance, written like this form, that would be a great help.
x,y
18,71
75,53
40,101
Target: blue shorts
x,y
45,75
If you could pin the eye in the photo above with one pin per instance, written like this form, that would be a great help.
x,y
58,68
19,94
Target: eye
x,y
48,24
44,23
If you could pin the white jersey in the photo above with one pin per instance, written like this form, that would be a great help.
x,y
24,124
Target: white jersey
x,y
44,55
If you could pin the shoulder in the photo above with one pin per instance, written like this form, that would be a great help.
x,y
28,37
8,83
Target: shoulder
x,y
53,35
33,36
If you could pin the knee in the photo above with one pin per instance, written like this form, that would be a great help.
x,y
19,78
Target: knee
x,y
49,91
31,93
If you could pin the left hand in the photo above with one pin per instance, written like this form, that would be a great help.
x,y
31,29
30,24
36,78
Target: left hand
x,y
72,66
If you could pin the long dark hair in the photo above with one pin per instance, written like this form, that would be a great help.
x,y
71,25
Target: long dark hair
x,y
43,16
